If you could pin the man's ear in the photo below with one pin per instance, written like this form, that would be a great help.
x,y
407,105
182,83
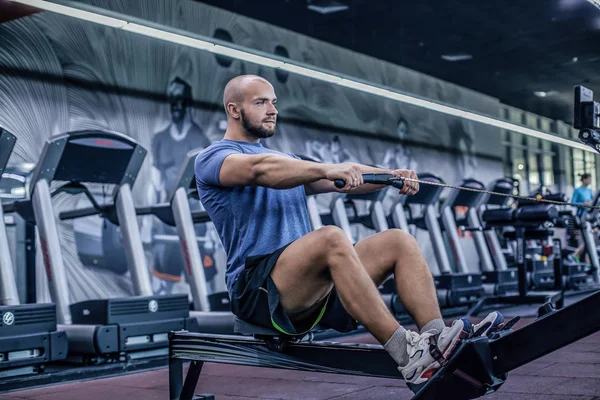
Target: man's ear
x,y
233,110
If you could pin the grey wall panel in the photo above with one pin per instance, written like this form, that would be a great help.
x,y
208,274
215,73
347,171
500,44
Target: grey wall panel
x,y
60,74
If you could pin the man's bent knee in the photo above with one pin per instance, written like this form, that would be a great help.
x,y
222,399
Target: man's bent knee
x,y
400,238
388,247
332,236
335,242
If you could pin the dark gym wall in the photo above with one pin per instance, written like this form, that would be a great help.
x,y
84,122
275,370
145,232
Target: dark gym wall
x,y
61,74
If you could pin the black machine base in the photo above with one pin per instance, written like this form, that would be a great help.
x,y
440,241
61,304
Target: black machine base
x,y
29,339
99,344
35,350
111,330
574,276
26,319
130,309
542,274
467,375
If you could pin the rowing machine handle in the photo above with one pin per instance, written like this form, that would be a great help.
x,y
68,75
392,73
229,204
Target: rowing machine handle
x,y
376,179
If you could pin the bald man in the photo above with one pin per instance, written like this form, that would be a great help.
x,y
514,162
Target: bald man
x,y
283,276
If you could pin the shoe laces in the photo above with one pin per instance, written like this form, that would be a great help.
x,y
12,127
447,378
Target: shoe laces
x,y
417,340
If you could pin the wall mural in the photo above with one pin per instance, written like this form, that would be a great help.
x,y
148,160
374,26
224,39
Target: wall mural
x,y
62,75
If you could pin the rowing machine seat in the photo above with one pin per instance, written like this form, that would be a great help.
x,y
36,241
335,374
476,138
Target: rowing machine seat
x,y
246,328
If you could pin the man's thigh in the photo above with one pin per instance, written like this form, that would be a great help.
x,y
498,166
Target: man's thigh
x,y
301,273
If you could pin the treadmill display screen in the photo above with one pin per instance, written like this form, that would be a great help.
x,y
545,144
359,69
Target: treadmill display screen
x,y
94,160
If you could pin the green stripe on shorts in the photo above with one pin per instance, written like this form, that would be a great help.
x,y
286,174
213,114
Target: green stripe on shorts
x,y
277,327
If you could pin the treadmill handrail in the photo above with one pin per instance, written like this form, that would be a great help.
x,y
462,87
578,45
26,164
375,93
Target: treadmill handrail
x,y
79,213
162,211
186,174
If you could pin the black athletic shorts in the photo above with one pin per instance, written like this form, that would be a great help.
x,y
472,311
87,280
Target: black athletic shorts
x,y
255,299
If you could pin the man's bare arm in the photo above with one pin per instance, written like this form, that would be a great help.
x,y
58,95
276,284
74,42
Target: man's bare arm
x,y
281,172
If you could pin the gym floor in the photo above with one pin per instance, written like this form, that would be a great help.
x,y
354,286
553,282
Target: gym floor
x,y
572,372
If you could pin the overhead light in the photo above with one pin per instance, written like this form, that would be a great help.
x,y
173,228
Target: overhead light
x,y
172,35
75,12
520,167
544,94
575,59
457,57
326,6
569,4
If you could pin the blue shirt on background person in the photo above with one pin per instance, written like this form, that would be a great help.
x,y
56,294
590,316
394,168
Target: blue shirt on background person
x,y
583,194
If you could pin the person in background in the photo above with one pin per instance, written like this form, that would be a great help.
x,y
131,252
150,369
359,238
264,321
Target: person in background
x,y
582,195
169,147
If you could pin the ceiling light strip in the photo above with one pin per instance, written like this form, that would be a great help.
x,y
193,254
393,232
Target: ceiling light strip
x,y
170,35
75,12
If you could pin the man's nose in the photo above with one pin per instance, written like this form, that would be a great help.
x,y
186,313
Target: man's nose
x,y
272,110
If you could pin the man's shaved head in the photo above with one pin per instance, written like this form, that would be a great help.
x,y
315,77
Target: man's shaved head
x,y
236,88
249,102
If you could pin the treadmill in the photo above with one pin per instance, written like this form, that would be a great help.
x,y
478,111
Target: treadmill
x,y
14,185
497,282
28,335
211,311
454,288
103,330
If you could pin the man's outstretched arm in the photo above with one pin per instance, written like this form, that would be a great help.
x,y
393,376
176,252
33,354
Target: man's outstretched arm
x,y
281,172
327,186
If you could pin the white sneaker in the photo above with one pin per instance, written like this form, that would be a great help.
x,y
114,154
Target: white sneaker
x,y
421,364
495,321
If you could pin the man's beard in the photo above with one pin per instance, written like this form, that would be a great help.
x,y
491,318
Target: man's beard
x,y
256,131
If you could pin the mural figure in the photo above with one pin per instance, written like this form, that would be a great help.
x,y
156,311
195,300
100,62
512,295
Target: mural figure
x,y
169,147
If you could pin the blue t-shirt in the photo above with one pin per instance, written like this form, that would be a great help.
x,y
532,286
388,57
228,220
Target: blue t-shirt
x,y
250,220
581,195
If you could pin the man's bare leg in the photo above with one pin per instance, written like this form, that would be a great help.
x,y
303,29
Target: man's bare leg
x,y
307,270
397,252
